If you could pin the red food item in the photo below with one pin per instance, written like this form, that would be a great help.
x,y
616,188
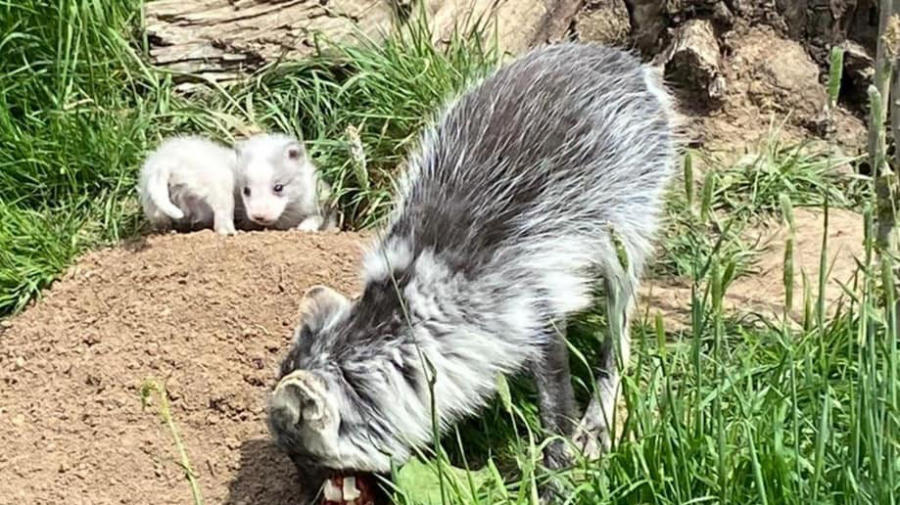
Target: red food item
x,y
358,489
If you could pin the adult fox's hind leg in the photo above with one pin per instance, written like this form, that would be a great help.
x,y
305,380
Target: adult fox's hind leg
x,y
593,435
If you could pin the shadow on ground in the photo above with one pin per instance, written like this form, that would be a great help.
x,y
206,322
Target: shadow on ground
x,y
265,476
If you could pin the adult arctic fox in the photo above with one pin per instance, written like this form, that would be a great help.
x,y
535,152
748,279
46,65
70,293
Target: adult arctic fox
x,y
516,201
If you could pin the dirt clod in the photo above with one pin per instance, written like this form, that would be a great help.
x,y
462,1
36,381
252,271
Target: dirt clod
x,y
604,21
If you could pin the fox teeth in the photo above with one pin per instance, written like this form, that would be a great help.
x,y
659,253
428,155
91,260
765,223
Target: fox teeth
x,y
351,492
332,492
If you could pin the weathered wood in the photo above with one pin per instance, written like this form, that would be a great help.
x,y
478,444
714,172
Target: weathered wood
x,y
692,59
519,23
221,39
880,100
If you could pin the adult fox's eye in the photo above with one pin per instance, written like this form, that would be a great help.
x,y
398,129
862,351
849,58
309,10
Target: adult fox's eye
x,y
278,188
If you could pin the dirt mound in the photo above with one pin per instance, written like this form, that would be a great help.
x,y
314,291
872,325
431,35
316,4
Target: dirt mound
x,y
761,92
208,315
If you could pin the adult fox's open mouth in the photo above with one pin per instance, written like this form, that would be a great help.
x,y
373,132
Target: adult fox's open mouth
x,y
356,489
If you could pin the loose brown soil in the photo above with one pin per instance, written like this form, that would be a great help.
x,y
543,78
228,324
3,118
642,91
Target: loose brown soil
x,y
210,316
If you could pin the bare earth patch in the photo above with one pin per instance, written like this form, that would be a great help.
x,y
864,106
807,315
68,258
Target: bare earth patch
x,y
763,291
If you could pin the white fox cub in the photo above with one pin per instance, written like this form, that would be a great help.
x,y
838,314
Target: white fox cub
x,y
280,186
187,184
267,181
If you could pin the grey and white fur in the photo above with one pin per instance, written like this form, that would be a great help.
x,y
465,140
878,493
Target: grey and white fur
x,y
279,186
187,183
508,217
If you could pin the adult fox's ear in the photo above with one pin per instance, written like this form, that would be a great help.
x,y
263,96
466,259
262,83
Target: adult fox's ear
x,y
299,398
320,307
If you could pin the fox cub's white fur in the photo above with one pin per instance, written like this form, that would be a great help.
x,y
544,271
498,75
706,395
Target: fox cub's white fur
x,y
187,183
267,181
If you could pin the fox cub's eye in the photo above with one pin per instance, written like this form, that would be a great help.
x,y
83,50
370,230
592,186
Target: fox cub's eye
x,y
246,191
278,188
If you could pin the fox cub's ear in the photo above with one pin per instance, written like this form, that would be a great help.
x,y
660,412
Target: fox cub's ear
x,y
295,151
320,306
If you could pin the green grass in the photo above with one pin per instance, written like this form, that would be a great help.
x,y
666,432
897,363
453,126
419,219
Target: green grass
x,y
71,137
804,172
733,410
692,229
736,413
735,196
